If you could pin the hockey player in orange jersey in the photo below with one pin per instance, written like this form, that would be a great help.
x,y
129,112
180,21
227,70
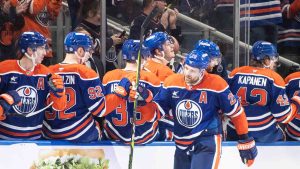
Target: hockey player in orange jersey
x,y
263,95
118,123
162,52
31,80
85,95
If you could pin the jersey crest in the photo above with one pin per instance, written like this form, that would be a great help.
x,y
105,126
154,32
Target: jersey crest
x,y
188,113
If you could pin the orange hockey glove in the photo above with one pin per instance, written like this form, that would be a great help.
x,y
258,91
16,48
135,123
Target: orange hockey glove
x,y
57,91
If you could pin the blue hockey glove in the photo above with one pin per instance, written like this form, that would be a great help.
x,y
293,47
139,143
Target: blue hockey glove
x,y
56,85
248,150
7,100
123,88
142,94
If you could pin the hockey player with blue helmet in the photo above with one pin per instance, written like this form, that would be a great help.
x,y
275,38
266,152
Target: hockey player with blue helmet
x,y
195,103
33,46
216,65
86,96
79,44
263,95
27,79
146,127
265,54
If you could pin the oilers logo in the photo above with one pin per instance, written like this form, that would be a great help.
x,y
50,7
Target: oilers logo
x,y
29,99
42,18
188,113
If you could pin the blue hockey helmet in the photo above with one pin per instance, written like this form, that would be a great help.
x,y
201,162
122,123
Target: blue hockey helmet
x,y
209,47
74,40
31,40
130,49
156,40
197,59
263,49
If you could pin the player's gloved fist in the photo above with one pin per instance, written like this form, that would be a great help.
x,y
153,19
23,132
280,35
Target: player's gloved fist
x,y
141,93
7,100
248,150
123,88
56,84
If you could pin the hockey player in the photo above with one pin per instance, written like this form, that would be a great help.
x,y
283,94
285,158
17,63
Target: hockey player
x,y
118,123
262,94
31,80
195,101
292,89
85,95
162,52
216,66
7,100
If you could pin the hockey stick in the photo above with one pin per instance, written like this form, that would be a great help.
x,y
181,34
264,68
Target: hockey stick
x,y
153,13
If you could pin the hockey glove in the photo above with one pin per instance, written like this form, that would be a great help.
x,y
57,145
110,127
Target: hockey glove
x,y
56,85
123,88
248,150
142,94
7,100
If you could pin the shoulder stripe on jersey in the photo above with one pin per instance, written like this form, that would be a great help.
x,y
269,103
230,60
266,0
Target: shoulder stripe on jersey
x,y
216,91
292,79
82,78
20,73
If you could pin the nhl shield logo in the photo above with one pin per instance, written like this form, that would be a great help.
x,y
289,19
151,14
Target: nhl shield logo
x,y
188,113
29,99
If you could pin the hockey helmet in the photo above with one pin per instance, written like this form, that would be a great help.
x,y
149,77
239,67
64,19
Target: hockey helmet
x,y
74,40
197,59
263,49
209,47
156,41
31,40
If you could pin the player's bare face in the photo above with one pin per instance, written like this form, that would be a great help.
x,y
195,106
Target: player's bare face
x,y
192,75
39,54
169,50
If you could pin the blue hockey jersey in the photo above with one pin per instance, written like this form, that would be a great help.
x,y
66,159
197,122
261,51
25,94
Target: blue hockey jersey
x,y
262,94
196,108
33,90
86,99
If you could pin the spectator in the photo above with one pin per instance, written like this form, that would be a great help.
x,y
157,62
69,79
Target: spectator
x,y
74,5
30,79
288,36
163,21
11,21
263,95
38,18
91,22
263,20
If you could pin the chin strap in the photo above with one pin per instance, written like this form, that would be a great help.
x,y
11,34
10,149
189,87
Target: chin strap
x,y
32,59
162,58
